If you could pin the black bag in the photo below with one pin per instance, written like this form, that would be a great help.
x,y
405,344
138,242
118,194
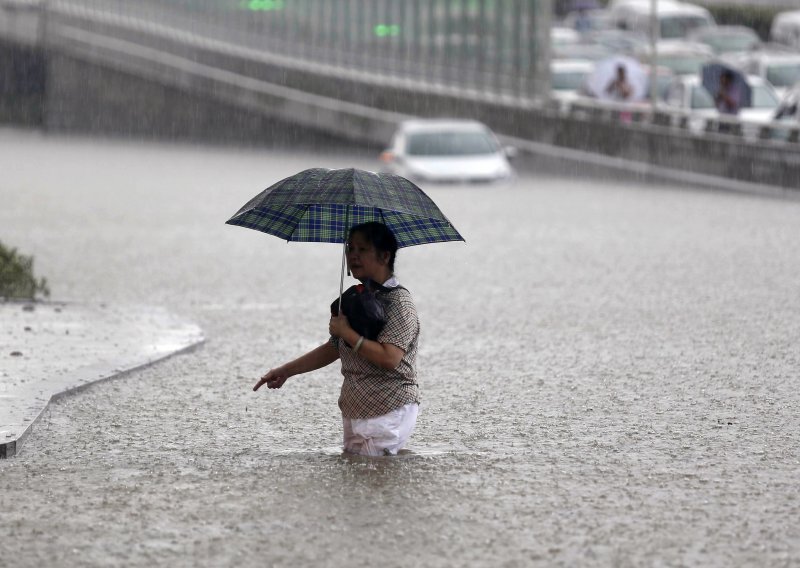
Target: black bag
x,y
364,308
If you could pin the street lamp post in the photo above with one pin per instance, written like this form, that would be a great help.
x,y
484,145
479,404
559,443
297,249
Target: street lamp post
x,y
654,33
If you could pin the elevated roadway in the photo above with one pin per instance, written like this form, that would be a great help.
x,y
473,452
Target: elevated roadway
x,y
162,68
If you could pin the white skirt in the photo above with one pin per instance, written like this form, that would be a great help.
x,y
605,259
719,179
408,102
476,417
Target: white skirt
x,y
381,435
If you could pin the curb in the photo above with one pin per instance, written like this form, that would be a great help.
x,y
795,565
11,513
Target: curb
x,y
174,337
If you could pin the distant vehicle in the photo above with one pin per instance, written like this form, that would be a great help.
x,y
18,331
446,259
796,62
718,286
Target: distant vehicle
x,y
681,57
764,105
788,112
620,42
664,78
567,79
588,20
675,19
780,68
582,50
560,36
447,151
566,43
785,28
726,39
687,93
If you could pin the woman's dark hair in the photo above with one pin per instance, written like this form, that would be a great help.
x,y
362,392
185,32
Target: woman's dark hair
x,y
380,236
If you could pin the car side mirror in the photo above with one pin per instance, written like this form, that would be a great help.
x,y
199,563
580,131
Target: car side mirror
x,y
511,152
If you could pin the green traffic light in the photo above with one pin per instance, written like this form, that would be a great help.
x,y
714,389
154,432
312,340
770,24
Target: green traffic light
x,y
386,30
265,5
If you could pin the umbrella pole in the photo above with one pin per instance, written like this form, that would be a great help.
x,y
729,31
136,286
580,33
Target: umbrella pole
x,y
344,256
341,279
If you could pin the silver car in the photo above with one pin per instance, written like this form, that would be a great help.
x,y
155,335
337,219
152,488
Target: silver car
x,y
447,151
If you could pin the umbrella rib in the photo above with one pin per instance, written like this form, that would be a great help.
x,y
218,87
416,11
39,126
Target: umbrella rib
x,y
299,220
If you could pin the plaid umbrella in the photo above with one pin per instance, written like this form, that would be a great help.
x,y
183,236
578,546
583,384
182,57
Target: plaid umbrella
x,y
320,205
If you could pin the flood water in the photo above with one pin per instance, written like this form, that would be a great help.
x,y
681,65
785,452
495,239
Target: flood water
x,y
608,371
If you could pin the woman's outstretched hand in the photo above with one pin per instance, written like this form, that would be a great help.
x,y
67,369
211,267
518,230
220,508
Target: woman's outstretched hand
x,y
274,379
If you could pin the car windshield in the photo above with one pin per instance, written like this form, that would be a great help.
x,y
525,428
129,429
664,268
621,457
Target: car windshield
x,y
451,143
682,64
567,80
764,98
784,75
701,98
680,26
729,42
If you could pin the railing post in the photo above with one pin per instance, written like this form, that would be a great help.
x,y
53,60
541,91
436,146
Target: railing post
x,y
498,43
480,63
517,72
539,17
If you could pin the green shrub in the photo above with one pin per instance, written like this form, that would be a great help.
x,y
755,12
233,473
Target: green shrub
x,y
16,276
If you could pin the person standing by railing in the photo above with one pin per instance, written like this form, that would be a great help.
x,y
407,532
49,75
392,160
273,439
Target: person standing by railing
x,y
727,99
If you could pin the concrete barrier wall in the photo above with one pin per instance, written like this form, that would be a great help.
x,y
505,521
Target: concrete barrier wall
x,y
22,84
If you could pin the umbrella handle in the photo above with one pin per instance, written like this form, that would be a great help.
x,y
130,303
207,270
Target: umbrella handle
x,y
341,279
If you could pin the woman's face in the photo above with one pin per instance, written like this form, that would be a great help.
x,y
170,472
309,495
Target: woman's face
x,y
364,260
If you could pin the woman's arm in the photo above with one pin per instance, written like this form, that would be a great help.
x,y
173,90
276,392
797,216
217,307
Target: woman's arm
x,y
383,355
315,359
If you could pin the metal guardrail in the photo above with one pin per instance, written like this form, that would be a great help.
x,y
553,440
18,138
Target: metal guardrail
x,y
775,132
494,46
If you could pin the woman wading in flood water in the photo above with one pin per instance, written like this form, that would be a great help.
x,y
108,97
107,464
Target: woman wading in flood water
x,y
379,399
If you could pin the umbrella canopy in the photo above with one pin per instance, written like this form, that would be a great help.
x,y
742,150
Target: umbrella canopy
x,y
321,204
605,71
710,77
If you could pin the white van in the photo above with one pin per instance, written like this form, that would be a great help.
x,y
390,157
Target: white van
x,y
786,29
675,19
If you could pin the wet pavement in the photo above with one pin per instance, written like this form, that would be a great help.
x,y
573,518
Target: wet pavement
x,y
54,349
608,374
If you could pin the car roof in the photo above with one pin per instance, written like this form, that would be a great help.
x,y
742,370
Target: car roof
x,y
790,16
723,30
681,46
696,80
769,56
438,124
572,65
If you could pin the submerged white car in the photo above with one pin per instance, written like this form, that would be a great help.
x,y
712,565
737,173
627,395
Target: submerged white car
x,y
447,151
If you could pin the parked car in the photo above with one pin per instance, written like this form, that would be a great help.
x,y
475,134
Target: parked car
x,y
582,50
789,107
447,151
687,93
788,112
780,68
765,102
567,77
561,36
620,42
664,78
588,20
675,19
785,28
567,80
726,39
680,57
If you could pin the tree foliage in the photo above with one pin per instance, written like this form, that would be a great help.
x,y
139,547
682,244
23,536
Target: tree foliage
x,y
16,276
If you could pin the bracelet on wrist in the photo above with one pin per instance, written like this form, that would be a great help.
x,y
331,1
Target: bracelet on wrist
x,y
358,344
